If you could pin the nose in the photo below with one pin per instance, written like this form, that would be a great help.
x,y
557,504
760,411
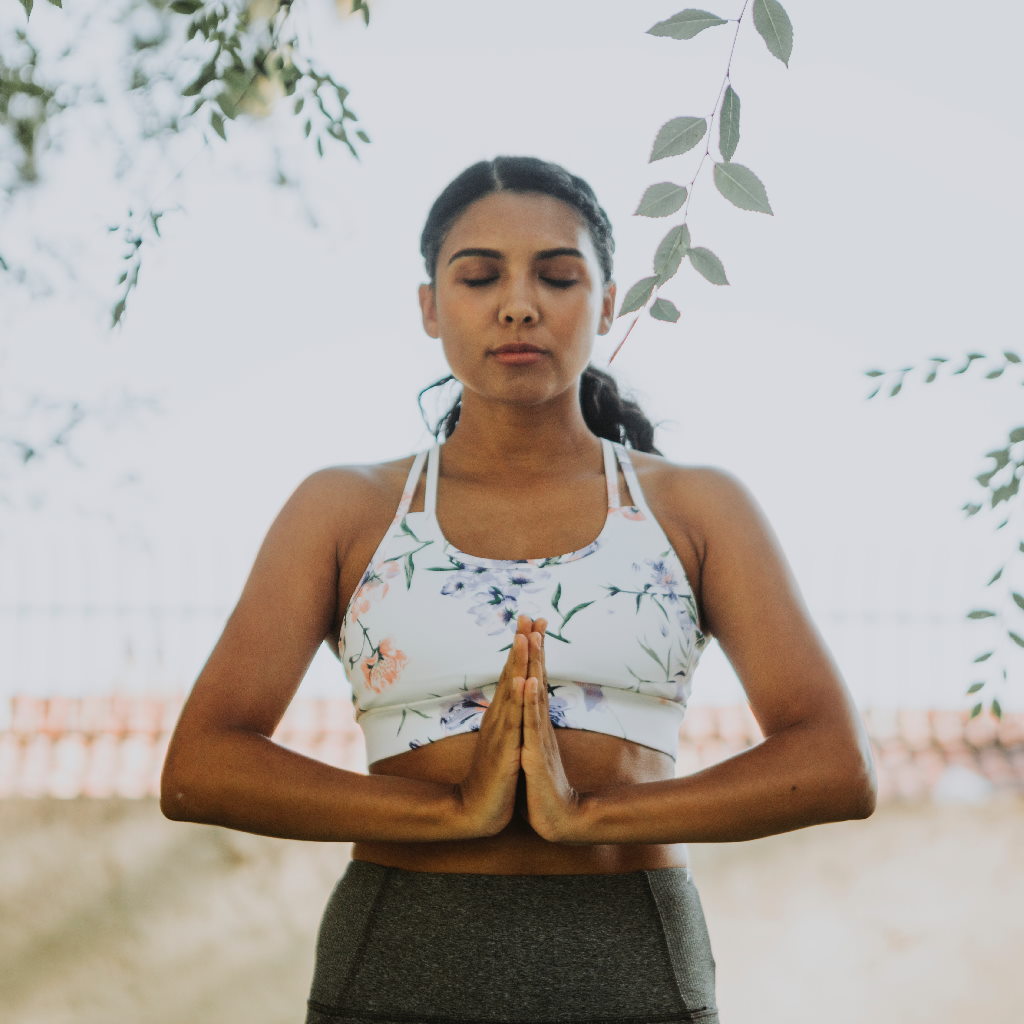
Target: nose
x,y
518,305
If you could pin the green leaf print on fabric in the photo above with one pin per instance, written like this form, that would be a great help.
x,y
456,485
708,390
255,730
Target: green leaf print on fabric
x,y
566,616
407,557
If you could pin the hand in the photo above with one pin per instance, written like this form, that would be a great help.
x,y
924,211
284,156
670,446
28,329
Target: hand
x,y
487,794
552,805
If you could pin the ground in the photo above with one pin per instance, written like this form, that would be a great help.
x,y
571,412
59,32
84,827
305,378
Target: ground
x,y
112,913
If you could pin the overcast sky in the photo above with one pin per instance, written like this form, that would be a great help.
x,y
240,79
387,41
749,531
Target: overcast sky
x,y
889,148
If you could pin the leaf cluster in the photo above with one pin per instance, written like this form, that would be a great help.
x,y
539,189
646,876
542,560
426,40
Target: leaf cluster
x,y
736,182
219,60
1000,483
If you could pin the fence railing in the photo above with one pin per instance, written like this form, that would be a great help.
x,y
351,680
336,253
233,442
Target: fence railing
x,y
114,745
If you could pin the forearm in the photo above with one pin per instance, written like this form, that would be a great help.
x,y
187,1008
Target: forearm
x,y
244,780
797,777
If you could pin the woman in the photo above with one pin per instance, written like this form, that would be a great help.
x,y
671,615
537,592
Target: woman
x,y
518,841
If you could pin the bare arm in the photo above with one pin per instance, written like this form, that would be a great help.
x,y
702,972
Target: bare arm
x,y
814,764
223,768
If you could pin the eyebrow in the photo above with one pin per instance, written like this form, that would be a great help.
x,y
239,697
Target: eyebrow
x,y
544,254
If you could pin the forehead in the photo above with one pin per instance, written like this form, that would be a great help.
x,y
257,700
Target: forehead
x,y
510,221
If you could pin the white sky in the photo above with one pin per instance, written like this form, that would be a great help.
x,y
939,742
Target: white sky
x,y
889,148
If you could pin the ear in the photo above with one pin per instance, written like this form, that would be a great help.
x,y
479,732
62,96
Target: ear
x,y
607,309
428,309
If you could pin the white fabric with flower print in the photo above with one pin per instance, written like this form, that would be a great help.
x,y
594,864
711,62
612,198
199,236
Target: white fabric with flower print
x,y
623,635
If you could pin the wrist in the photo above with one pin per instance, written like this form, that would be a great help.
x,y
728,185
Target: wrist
x,y
473,818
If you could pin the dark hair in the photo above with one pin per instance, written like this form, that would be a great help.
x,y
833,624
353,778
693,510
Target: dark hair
x,y
606,412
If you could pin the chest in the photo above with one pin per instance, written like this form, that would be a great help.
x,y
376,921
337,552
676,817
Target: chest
x,y
511,523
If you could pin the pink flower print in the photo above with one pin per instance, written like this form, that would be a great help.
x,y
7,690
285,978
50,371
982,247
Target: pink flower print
x,y
372,587
628,512
383,667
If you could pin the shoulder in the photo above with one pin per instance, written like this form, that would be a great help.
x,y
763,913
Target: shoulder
x,y
343,497
705,501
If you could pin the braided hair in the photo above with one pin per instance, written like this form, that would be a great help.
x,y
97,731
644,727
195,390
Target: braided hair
x,y
606,411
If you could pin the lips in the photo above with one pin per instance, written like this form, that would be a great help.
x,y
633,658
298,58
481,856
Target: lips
x,y
517,346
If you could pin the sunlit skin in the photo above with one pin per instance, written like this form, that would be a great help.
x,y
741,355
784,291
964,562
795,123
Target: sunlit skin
x,y
540,283
521,477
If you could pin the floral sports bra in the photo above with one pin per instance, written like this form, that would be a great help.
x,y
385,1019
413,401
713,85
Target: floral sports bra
x,y
622,641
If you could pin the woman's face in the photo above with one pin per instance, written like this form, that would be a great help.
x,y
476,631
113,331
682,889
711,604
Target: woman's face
x,y
518,297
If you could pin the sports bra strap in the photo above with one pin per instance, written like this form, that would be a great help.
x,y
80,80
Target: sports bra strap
x,y
433,467
629,473
410,485
611,477
611,473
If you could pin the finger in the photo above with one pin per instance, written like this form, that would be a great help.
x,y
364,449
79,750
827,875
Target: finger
x,y
535,666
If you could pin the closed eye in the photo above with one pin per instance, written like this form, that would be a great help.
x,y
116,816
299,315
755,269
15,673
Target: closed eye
x,y
555,282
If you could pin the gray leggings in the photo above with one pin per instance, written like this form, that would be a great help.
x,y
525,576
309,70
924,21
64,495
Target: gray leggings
x,y
411,947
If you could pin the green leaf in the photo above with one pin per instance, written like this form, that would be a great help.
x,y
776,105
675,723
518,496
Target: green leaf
x,y
976,710
983,657
557,597
1018,599
670,252
896,389
1016,638
647,650
572,612
307,128
1017,434
1020,547
975,687
981,613
27,4
661,200
1011,357
997,708
638,295
873,393
742,187
775,28
297,109
707,264
409,569
361,135
995,576
678,136
993,374
930,376
218,124
319,146
686,24
205,76
874,373
662,309
57,3
729,124
186,6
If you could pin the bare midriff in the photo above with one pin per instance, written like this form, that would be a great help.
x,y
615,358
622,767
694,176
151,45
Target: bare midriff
x,y
592,761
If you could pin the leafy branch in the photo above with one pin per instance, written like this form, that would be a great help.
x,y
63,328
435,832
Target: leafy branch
x,y
1000,482
241,63
735,181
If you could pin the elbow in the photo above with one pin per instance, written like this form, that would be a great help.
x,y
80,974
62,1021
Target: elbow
x,y
859,788
179,795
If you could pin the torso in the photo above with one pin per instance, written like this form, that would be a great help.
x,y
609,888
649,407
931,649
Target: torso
x,y
475,518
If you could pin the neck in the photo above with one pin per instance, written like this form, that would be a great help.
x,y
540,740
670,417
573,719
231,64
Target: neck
x,y
525,442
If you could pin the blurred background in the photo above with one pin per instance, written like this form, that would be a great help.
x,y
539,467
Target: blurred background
x,y
267,325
